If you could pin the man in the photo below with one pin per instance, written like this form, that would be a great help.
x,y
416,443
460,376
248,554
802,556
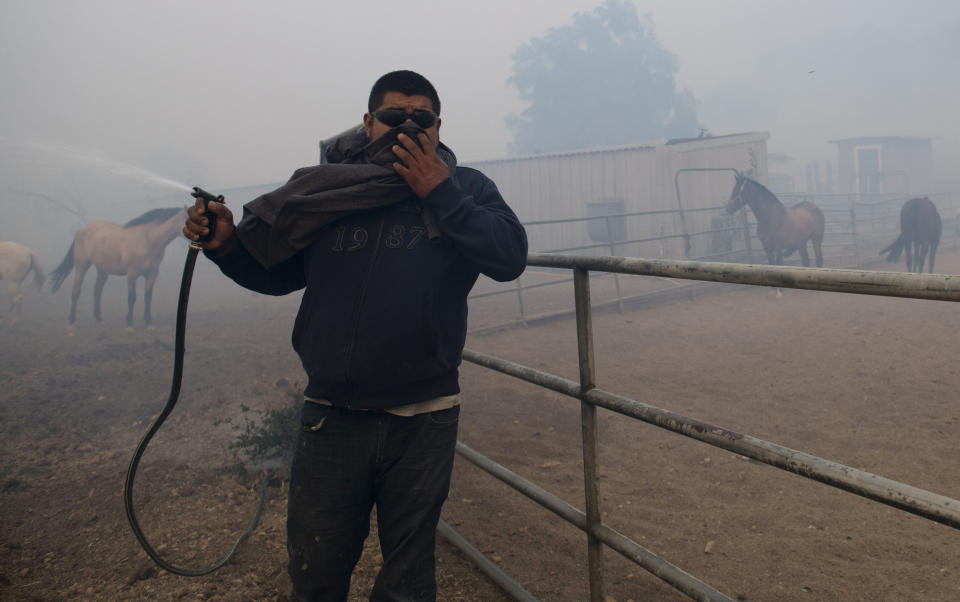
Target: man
x,y
387,242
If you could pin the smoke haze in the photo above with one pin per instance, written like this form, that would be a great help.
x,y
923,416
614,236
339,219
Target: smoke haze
x,y
231,94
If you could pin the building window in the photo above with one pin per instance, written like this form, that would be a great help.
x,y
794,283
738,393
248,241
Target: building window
x,y
867,167
610,229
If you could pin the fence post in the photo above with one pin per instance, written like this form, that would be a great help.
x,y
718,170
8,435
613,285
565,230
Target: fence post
x,y
853,231
955,221
523,315
588,425
746,234
613,253
686,235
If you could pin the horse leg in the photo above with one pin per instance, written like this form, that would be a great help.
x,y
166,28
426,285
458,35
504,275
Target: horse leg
x,y
933,253
817,241
804,256
98,292
79,271
16,297
909,251
148,279
775,257
131,298
921,256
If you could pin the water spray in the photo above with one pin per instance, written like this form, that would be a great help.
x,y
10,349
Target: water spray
x,y
179,347
101,162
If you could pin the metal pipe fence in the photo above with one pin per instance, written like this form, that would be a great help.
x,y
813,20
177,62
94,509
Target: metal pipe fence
x,y
857,227
896,494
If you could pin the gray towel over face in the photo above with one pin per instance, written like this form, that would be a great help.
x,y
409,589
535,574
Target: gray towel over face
x,y
360,177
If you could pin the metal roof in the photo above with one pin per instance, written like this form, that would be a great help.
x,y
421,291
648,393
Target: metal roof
x,y
878,139
649,146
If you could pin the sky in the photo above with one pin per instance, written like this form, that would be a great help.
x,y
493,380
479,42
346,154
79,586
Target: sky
x,y
229,94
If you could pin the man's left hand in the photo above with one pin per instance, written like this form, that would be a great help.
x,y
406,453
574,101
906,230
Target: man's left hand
x,y
419,165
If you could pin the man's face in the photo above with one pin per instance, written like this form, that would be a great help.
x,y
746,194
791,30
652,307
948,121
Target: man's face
x,y
397,100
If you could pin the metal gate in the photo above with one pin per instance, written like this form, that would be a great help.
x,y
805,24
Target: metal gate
x,y
899,495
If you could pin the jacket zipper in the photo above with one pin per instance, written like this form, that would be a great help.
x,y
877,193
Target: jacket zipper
x,y
360,303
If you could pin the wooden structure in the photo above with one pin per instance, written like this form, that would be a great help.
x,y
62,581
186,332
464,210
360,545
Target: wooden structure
x,y
884,164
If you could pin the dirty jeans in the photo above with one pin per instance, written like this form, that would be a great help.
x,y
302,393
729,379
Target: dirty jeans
x,y
345,462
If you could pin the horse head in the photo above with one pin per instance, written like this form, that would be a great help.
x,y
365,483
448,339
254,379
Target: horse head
x,y
737,198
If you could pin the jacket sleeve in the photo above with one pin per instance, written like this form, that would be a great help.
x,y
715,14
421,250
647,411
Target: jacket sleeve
x,y
241,267
481,225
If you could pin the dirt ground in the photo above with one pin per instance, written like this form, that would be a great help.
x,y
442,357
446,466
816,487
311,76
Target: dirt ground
x,y
869,382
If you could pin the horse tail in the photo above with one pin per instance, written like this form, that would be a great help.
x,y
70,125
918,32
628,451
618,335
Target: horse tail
x,y
38,275
895,249
60,274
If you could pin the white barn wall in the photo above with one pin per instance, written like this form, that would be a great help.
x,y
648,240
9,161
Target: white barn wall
x,y
745,153
560,186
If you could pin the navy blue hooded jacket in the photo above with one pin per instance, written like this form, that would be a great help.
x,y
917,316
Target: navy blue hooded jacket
x,y
383,318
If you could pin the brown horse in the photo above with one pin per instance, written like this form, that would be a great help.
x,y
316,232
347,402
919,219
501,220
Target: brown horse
x,y
920,229
782,230
132,250
16,261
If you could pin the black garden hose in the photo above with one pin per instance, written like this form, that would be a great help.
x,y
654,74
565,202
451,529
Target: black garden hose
x,y
155,426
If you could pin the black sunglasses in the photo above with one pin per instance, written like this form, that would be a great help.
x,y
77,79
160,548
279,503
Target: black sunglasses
x,y
394,117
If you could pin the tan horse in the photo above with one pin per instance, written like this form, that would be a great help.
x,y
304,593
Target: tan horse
x,y
16,261
134,249
782,230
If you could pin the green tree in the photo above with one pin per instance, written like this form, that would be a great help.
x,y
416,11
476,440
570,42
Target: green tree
x,y
602,80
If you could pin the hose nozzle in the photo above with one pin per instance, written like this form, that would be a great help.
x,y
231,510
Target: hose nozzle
x,y
200,193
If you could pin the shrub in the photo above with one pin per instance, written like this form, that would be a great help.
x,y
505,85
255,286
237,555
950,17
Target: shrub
x,y
268,442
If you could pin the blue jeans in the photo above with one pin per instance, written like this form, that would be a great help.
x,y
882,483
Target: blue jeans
x,y
346,461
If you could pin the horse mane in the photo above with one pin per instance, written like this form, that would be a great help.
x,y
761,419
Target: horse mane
x,y
154,215
764,190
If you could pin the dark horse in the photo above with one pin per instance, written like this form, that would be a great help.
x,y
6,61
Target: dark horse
x,y
920,229
782,230
134,249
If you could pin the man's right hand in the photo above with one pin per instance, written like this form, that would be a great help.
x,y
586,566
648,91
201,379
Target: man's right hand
x,y
224,233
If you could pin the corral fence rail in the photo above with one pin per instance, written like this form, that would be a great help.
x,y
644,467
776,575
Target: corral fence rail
x,y
899,495
857,227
